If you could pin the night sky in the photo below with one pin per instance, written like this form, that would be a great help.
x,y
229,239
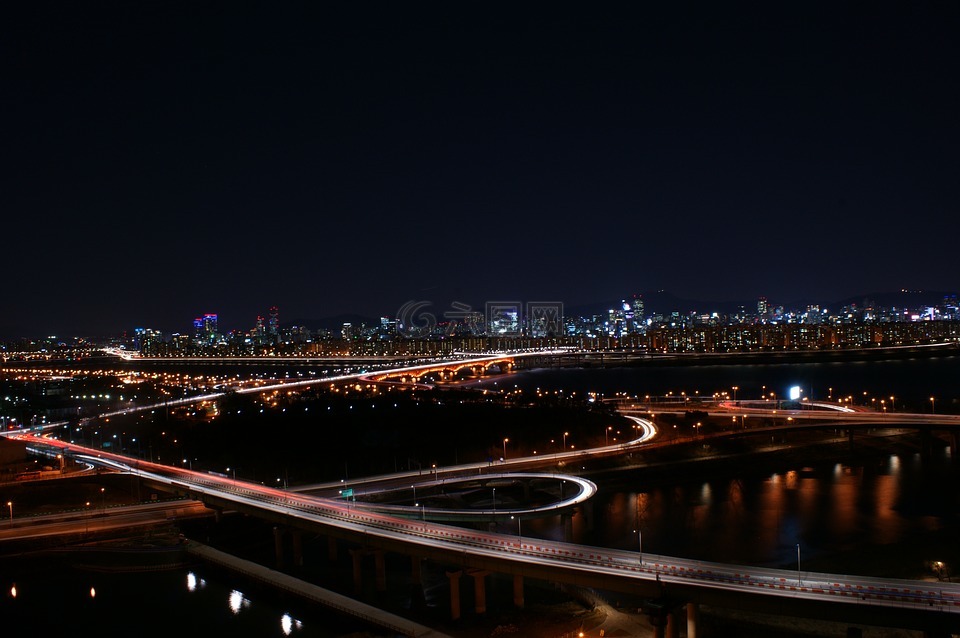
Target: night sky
x,y
162,160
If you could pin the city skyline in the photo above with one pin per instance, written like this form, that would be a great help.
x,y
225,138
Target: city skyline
x,y
167,160
661,307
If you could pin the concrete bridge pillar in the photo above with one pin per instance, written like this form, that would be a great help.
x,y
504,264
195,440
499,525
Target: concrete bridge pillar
x,y
567,521
693,619
297,548
454,594
357,556
417,598
278,545
518,591
331,549
381,570
659,623
673,625
926,444
416,570
479,589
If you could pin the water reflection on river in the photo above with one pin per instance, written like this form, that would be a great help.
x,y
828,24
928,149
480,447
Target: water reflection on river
x,y
759,519
50,598
899,504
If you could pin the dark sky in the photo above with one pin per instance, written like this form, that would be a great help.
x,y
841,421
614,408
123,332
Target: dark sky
x,y
162,159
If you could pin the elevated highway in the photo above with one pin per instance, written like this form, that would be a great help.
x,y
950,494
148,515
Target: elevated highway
x,y
933,607
867,600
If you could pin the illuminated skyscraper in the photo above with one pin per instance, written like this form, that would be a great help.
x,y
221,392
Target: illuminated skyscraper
x,y
762,307
633,315
209,326
273,328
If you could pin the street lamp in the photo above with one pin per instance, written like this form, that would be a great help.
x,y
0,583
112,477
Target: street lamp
x,y
799,581
933,405
494,500
505,449
606,435
519,535
103,501
640,543
565,435
735,388
10,505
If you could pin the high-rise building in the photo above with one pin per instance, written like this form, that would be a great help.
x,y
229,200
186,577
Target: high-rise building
x,y
388,326
145,339
762,307
273,328
638,308
209,326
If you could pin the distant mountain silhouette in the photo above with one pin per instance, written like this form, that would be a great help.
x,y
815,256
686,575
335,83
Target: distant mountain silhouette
x,y
899,299
334,322
663,302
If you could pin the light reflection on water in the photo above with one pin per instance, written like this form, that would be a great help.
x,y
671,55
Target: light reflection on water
x,y
829,509
760,519
178,602
237,602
